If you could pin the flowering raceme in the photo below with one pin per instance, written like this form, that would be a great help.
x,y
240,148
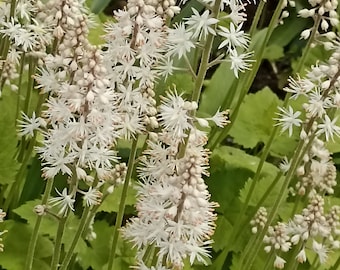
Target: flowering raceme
x,y
174,212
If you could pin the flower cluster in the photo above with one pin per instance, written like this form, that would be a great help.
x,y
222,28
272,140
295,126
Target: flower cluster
x,y
312,229
80,121
174,212
315,170
317,174
27,33
325,15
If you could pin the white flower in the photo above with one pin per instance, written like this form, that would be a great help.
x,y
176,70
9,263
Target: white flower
x,y
321,251
240,62
201,24
29,125
285,165
174,115
92,197
64,202
180,41
279,262
329,128
234,37
221,118
317,104
288,119
299,87
165,68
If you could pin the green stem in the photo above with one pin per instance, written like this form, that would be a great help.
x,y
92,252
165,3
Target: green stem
x,y
336,266
269,261
120,214
14,193
22,63
256,19
76,237
202,71
239,226
35,234
203,68
58,243
62,222
30,84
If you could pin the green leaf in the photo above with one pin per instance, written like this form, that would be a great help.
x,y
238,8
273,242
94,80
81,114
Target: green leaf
x,y
230,170
96,33
8,138
289,31
111,203
222,232
273,52
260,189
99,5
256,118
16,242
34,183
96,254
217,89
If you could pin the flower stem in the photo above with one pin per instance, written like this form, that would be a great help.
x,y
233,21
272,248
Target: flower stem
x,y
120,214
35,234
22,63
75,240
58,243
202,71
256,19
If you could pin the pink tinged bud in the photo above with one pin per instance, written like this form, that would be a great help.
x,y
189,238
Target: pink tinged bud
x,y
70,21
139,20
300,171
337,99
92,63
172,211
90,96
279,262
301,257
159,10
295,239
58,15
154,122
202,202
187,204
58,32
110,189
170,13
73,66
79,51
267,249
334,21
